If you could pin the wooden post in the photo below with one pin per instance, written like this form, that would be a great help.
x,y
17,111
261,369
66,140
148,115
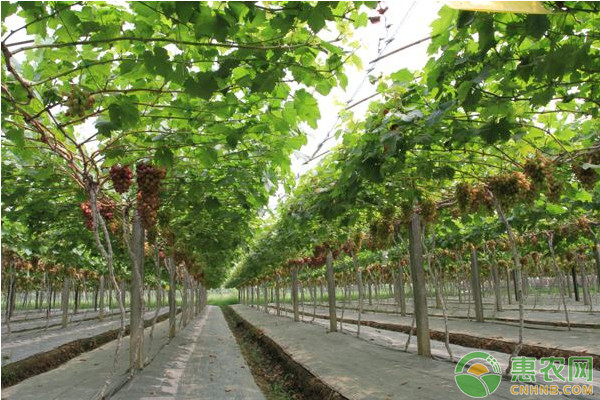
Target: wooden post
x,y
597,258
514,278
266,298
575,288
295,293
257,296
587,298
419,290
101,291
184,300
402,294
508,286
361,289
136,338
277,303
476,286
64,302
170,264
496,279
331,293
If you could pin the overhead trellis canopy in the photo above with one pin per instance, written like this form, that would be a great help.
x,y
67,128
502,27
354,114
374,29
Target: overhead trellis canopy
x,y
216,93
504,108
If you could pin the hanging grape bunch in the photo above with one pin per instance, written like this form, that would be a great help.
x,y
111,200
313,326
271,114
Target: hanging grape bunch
x,y
587,176
121,178
87,215
78,101
148,180
428,209
106,211
510,187
463,196
541,171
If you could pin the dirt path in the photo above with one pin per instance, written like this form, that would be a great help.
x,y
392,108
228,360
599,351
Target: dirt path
x,y
540,340
203,362
22,346
357,369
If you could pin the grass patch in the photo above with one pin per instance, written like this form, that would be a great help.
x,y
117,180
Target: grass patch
x,y
222,299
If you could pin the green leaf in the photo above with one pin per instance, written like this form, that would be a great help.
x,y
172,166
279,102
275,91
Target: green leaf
x,y
465,18
212,26
16,136
537,25
123,113
158,62
584,196
316,19
446,19
212,203
307,108
543,97
127,66
208,156
463,90
495,131
265,82
402,76
105,128
8,9
185,10
164,156
203,85
485,29
555,209
233,138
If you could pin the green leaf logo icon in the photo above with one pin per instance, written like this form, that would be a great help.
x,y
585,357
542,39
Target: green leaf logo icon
x,y
478,374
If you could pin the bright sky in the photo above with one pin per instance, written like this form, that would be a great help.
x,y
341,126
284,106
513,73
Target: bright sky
x,y
410,21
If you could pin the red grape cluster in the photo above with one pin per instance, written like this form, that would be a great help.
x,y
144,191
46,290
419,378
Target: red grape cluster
x,y
107,213
148,180
121,178
87,215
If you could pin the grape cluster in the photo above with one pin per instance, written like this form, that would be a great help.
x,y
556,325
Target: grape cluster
x,y
107,213
538,169
78,101
380,233
87,215
541,171
121,178
114,226
473,198
463,196
148,180
428,210
510,187
587,177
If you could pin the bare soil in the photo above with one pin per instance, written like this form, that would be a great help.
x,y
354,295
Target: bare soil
x,y
274,371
